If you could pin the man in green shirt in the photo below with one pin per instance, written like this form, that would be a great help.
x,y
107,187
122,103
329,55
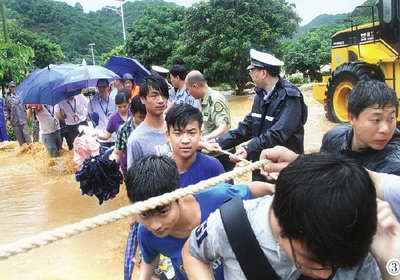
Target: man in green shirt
x,y
215,110
216,115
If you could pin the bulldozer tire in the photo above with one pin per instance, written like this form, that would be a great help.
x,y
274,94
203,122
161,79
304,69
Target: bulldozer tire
x,y
344,78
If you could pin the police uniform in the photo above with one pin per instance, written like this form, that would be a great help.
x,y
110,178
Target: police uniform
x,y
215,111
163,72
160,70
15,112
276,117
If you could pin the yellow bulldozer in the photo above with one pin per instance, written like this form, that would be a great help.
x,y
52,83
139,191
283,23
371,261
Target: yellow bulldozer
x,y
362,52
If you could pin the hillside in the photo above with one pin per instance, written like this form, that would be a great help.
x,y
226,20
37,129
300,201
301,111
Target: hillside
x,y
322,20
325,19
73,29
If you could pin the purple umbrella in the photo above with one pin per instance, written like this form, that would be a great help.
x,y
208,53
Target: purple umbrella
x,y
38,87
122,65
85,76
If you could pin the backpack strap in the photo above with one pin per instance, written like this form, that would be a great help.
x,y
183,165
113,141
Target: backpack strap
x,y
252,260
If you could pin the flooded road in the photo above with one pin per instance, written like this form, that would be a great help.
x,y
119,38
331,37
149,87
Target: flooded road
x,y
316,125
32,201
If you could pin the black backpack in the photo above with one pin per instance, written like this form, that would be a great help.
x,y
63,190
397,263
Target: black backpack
x,y
244,243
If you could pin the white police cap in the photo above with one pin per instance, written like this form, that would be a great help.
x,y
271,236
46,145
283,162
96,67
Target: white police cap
x,y
159,69
262,59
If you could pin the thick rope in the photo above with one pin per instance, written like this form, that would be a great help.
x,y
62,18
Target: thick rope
x,y
64,232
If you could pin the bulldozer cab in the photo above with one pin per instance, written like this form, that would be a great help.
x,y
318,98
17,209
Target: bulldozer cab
x,y
389,21
364,51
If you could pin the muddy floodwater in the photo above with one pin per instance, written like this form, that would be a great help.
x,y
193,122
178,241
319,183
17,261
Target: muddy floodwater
x,y
35,198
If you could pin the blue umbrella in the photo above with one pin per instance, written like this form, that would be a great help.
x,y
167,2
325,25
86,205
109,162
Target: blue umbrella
x,y
38,87
122,65
84,76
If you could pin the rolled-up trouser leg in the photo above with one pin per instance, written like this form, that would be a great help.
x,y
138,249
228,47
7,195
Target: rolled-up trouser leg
x,y
35,130
27,133
19,134
52,142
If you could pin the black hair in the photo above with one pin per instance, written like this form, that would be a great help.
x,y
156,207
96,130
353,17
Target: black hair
x,y
178,70
151,176
328,203
273,71
137,106
156,82
121,97
102,82
178,60
179,115
369,93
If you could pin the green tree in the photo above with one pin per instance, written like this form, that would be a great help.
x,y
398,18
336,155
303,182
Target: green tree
x,y
155,35
15,61
309,51
45,51
118,50
220,33
73,29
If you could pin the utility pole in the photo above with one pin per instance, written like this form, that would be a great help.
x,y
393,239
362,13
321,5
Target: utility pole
x,y
121,13
91,45
121,3
5,34
4,19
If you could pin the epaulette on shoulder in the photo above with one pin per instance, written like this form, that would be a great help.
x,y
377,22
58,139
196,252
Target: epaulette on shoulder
x,y
290,89
217,96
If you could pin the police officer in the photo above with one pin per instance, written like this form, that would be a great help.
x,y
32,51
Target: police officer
x,y
178,93
277,117
216,115
162,72
15,113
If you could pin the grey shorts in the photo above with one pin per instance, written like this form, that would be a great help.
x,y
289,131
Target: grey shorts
x,y
22,134
53,143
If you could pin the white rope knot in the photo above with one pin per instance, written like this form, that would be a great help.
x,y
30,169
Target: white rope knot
x,y
47,237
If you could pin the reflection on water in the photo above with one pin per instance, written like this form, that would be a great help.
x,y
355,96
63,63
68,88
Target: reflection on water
x,y
316,125
239,106
31,202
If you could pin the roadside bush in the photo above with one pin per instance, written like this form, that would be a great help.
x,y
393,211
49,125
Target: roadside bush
x,y
10,133
297,79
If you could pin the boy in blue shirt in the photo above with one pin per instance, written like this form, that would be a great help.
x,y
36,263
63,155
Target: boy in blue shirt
x,y
184,133
184,124
165,229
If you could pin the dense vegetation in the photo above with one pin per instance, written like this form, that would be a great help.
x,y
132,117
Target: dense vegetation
x,y
311,48
213,36
322,20
72,29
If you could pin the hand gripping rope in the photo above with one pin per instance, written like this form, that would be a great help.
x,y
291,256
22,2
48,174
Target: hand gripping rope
x,y
64,232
